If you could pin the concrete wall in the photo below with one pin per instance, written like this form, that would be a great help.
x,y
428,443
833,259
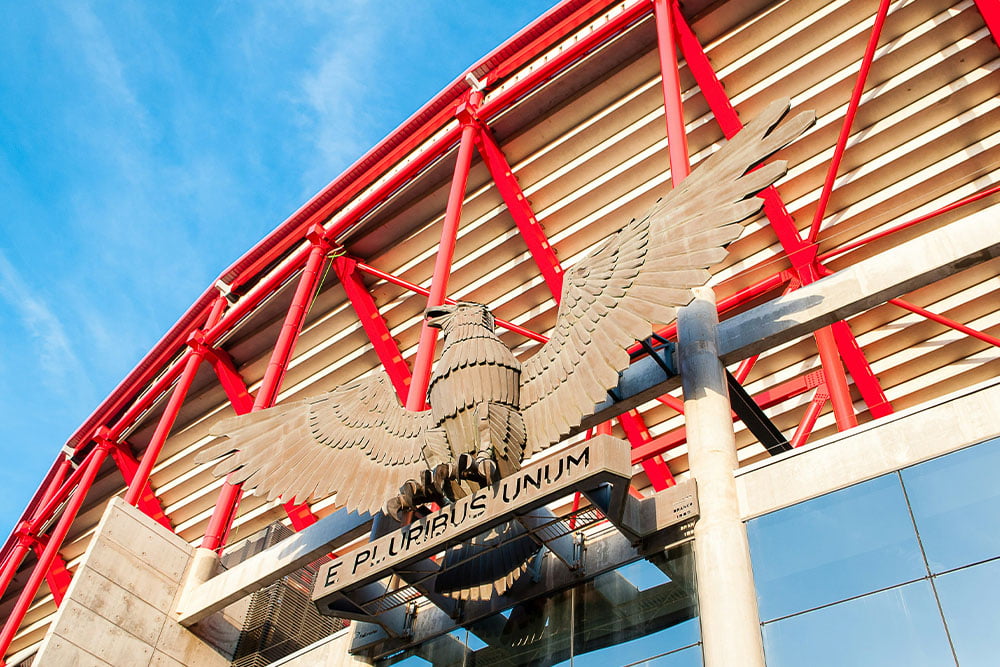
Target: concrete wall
x,y
924,432
117,609
329,652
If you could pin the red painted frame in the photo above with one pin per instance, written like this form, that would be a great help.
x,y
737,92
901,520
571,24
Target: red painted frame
x,y
206,323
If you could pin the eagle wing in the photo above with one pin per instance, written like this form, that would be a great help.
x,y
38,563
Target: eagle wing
x,y
356,440
643,273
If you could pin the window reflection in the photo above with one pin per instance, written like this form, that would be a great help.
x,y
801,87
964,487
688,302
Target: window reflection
x,y
901,626
956,505
639,614
970,599
840,545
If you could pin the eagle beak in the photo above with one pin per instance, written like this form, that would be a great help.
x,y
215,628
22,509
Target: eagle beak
x,y
435,315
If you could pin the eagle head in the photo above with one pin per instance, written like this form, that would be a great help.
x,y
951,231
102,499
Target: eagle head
x,y
448,316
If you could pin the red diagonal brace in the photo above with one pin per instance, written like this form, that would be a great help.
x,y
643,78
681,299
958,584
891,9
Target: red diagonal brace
x,y
520,210
374,325
124,458
990,9
680,165
230,379
638,435
58,576
859,368
801,253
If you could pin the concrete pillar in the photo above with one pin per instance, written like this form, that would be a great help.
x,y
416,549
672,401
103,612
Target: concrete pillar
x,y
727,599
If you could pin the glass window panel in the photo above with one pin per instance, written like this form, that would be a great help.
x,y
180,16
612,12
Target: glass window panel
x,y
638,611
956,504
970,598
445,651
629,615
535,632
837,546
901,626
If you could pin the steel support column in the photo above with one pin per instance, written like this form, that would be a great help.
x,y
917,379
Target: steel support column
x,y
229,496
170,413
92,466
416,398
800,252
680,165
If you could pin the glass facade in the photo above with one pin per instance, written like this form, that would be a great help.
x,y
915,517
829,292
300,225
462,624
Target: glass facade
x,y
643,613
901,569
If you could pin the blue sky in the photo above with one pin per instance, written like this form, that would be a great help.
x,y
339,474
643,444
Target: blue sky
x,y
146,146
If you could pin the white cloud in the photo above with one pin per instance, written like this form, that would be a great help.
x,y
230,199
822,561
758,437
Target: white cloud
x,y
336,91
62,369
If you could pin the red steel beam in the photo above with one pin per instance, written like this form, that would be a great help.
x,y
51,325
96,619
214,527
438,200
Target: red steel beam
x,y
416,398
46,511
845,129
638,436
520,210
812,413
406,284
151,395
91,467
801,253
15,557
374,325
242,401
62,470
170,412
990,9
229,496
860,370
229,377
673,111
58,576
982,194
946,321
124,458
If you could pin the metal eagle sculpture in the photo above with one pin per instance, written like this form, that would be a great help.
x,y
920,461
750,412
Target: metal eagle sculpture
x,y
488,410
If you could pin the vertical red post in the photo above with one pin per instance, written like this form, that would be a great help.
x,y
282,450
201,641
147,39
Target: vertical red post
x,y
93,464
169,414
840,393
416,398
229,495
17,554
680,165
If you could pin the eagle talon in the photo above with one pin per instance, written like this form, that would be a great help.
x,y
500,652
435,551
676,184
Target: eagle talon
x,y
412,494
488,471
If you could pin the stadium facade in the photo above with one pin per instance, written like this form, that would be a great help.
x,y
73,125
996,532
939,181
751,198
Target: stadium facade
x,y
830,502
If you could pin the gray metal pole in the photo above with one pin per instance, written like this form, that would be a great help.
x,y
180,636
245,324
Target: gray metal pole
x,y
727,599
